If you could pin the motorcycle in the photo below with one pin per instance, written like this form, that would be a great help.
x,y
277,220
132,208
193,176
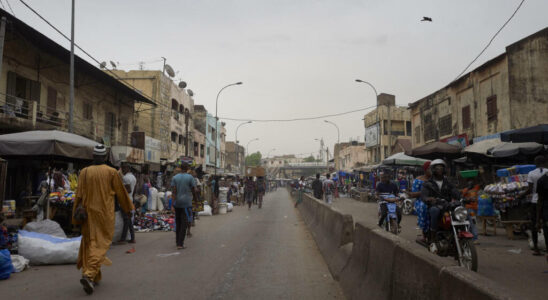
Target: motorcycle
x,y
453,237
390,222
408,204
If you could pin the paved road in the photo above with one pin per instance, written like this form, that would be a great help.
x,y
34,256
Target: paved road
x,y
525,275
257,254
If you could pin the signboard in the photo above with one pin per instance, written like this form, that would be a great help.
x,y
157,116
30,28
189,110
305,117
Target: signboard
x,y
153,149
129,154
487,137
372,135
460,140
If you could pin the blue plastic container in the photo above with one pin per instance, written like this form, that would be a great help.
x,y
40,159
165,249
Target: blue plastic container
x,y
525,169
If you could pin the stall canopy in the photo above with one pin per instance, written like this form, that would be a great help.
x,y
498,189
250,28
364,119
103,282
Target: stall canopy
x,y
46,142
536,134
403,160
483,147
513,149
436,150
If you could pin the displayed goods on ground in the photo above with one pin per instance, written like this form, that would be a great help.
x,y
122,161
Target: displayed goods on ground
x,y
510,190
44,249
154,222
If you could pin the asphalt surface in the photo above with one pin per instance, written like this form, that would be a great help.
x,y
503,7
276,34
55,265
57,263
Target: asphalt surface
x,y
507,262
256,254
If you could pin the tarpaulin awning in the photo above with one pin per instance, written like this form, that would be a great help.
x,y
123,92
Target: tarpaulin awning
x,y
536,134
46,142
403,160
435,150
513,149
482,147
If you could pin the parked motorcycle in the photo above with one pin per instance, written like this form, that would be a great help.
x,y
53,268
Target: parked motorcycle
x,y
390,222
454,237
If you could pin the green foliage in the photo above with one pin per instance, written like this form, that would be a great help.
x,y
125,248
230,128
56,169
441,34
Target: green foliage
x,y
309,159
253,159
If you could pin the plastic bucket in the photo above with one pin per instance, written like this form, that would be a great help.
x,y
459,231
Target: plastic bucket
x,y
223,208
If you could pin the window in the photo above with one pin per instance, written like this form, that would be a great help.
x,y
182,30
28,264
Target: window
x,y
429,132
408,128
181,109
445,125
52,101
492,108
196,149
174,137
174,105
181,139
20,91
110,125
418,134
88,111
466,117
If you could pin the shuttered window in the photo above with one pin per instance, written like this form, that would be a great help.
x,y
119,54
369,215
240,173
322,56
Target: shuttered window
x,y
445,125
492,108
466,117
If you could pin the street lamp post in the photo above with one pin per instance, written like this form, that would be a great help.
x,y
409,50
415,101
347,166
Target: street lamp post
x,y
217,120
236,138
247,149
376,117
338,132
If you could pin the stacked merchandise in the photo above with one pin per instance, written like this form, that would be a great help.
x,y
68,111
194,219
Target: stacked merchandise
x,y
8,208
512,187
154,222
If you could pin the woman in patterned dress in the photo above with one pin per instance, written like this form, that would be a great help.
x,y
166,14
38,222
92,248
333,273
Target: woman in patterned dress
x,y
423,220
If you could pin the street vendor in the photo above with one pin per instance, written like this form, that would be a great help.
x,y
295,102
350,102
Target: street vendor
x,y
470,194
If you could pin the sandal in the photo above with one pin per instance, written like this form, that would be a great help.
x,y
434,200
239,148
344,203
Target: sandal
x,y
536,252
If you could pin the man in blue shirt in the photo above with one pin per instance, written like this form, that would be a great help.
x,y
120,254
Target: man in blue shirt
x,y
183,187
388,191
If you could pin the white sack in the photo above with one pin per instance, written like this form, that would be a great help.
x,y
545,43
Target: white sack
x,y
206,211
118,226
19,263
46,227
541,244
154,199
43,249
230,206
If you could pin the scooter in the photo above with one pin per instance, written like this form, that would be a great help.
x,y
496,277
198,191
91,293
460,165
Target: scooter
x,y
453,237
390,223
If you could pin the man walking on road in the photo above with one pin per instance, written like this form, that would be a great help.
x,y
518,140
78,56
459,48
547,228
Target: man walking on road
x,y
93,208
532,179
249,190
183,187
317,187
328,188
129,181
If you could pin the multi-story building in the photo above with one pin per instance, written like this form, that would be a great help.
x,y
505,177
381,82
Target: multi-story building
x,y
207,124
507,92
383,127
34,90
170,121
351,157
222,155
235,158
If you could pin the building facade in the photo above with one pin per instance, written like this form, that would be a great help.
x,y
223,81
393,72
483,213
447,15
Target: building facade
x,y
235,158
199,147
170,121
34,90
206,123
507,92
383,127
351,157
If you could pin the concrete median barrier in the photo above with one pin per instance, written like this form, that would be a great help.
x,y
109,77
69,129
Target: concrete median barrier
x,y
460,284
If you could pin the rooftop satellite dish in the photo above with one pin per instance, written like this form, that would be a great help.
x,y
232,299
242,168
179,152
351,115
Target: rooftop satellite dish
x,y
182,84
169,71
190,92
113,64
103,65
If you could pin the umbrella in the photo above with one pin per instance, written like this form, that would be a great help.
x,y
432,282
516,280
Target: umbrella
x,y
513,149
403,160
435,150
46,142
537,134
482,147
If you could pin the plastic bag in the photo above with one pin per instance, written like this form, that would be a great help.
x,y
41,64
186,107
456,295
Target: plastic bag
x,y
206,211
43,249
46,227
230,206
154,199
118,226
19,263
541,244
6,268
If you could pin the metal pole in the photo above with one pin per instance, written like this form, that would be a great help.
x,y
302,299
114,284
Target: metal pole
x,y
338,132
71,80
217,121
2,36
377,115
236,137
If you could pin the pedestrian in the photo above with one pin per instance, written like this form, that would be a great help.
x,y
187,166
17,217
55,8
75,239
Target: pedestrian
x,y
183,188
300,191
261,188
423,218
249,188
317,187
129,182
542,208
98,186
532,178
328,188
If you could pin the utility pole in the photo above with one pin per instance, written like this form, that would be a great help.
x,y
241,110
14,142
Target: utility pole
x,y
2,36
71,76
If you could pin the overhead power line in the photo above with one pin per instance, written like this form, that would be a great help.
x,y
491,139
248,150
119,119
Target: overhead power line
x,y
9,5
490,41
299,119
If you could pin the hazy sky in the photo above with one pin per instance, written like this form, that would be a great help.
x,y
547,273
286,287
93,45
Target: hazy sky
x,y
296,58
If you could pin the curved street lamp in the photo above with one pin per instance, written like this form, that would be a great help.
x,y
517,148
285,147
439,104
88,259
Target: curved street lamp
x,y
236,138
338,132
217,120
376,117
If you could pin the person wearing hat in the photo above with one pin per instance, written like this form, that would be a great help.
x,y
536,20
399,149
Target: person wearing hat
x,y
420,206
437,187
98,185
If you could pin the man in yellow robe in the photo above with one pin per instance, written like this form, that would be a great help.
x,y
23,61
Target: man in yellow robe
x,y
97,187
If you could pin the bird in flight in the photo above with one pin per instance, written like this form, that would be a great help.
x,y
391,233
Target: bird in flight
x,y
426,19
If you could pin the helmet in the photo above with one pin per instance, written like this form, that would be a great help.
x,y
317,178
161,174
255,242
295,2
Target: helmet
x,y
437,162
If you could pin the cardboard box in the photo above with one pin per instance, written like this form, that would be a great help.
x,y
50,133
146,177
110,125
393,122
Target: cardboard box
x,y
255,171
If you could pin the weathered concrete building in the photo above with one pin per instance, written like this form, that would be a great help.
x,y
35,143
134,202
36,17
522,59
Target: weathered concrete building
x,y
34,90
199,147
171,120
507,92
205,123
351,157
235,158
383,127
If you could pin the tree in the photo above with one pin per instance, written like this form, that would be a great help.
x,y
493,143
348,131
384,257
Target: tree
x,y
309,159
253,159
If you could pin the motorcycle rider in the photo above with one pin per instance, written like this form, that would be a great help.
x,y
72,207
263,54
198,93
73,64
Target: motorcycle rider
x,y
388,187
438,187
